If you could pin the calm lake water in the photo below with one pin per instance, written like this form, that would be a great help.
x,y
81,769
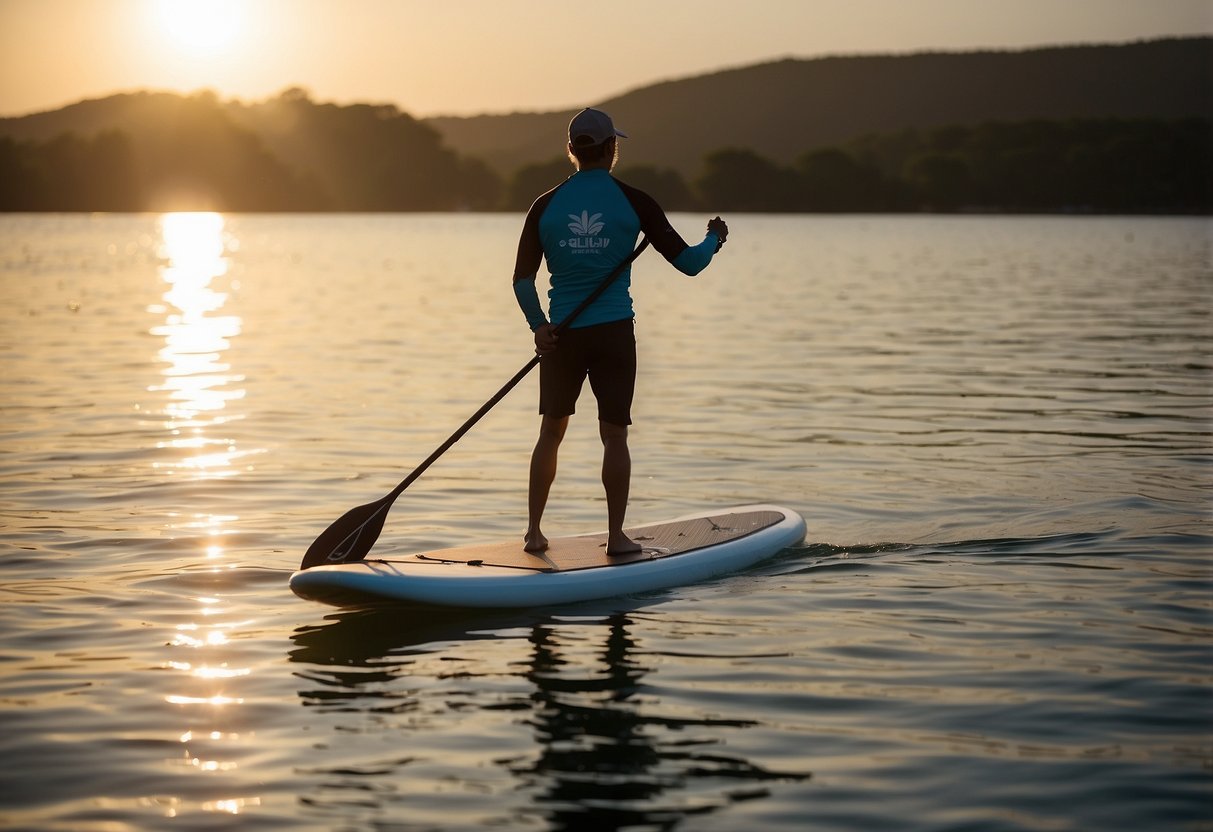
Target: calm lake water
x,y
998,430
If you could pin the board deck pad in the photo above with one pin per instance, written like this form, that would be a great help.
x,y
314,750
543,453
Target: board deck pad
x,y
567,554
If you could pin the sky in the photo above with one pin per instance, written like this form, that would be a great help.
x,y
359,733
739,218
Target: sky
x,y
464,57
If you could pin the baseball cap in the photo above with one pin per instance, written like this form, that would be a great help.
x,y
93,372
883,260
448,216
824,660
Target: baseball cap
x,y
590,127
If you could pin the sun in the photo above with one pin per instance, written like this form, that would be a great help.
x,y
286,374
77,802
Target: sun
x,y
199,27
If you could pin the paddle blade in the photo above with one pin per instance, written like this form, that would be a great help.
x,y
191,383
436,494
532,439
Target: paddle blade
x,y
350,538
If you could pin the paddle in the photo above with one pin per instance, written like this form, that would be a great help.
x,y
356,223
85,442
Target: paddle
x,y
354,533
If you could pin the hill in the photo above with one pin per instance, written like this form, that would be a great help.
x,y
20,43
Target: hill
x,y
162,151
140,152
784,108
1115,128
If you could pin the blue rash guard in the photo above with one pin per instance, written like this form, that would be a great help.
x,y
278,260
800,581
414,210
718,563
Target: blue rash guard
x,y
585,227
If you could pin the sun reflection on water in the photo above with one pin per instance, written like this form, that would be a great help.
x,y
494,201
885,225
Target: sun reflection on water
x,y
199,383
200,388
231,807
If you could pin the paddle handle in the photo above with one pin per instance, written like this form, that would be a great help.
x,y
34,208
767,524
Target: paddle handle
x,y
519,376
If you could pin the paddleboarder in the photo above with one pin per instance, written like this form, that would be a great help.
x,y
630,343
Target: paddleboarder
x,y
585,228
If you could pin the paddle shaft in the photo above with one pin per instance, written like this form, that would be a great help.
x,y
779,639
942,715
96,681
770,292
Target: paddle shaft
x,y
519,376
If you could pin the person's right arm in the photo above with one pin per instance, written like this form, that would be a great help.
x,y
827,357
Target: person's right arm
x,y
690,260
695,259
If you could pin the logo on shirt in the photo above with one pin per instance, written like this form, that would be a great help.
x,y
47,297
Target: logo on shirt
x,y
586,227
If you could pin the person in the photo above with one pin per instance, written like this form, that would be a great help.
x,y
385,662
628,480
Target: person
x,y
586,227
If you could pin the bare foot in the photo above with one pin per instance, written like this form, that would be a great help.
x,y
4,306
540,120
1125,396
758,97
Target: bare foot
x,y
622,545
534,541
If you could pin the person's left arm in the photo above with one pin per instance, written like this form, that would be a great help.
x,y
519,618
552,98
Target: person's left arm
x,y
526,268
528,301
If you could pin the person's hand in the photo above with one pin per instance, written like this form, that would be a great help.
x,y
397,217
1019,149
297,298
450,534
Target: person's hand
x,y
545,339
720,228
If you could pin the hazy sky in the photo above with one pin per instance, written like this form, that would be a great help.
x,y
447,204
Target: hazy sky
x,y
468,56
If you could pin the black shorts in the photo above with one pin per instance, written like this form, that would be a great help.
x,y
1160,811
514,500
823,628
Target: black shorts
x,y
604,352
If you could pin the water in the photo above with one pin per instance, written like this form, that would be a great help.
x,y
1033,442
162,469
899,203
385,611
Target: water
x,y
998,430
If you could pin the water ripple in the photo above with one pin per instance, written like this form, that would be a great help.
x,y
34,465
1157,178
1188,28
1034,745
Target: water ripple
x,y
997,429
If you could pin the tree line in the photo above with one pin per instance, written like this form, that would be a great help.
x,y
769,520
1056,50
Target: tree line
x,y
291,154
1118,166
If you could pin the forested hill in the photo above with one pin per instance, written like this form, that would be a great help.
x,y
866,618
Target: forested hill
x,y
155,151
782,109
1117,128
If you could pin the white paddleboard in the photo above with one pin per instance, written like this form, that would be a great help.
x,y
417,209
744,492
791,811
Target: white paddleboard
x,y
677,552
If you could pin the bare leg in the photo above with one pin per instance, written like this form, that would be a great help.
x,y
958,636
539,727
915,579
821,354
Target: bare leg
x,y
616,479
543,474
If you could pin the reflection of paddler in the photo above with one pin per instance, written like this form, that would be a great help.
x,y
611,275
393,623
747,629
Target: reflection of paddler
x,y
610,758
588,720
607,217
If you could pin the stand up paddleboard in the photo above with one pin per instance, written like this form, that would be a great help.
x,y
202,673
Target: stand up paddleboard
x,y
676,552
